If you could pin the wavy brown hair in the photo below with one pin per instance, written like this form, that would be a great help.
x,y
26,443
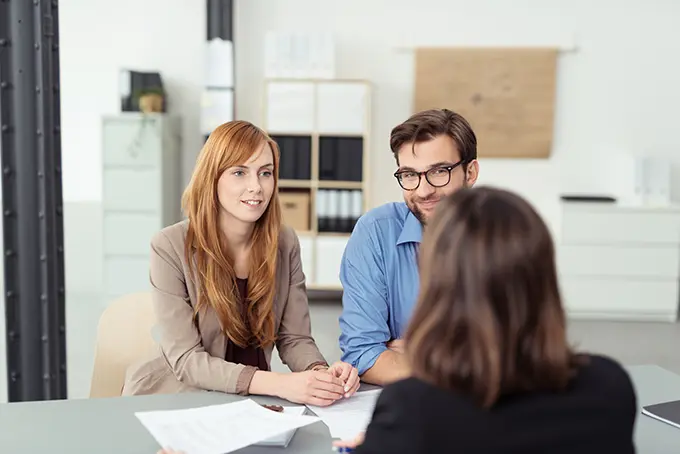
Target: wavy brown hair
x,y
428,124
489,320
212,268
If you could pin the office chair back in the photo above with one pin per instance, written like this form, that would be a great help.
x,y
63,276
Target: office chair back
x,y
124,336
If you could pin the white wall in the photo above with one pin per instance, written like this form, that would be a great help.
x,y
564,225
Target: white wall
x,y
618,92
98,38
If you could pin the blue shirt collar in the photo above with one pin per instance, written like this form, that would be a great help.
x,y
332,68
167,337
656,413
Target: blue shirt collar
x,y
412,232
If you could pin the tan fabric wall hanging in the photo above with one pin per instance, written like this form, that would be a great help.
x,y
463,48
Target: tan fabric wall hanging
x,y
507,94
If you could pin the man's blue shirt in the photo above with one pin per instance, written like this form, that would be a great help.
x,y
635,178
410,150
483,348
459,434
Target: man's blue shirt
x,y
379,275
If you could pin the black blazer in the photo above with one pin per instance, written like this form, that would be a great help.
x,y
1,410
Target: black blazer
x,y
595,415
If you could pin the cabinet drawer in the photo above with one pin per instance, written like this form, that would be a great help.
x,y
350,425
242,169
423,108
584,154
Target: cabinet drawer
x,y
290,107
650,261
610,226
132,190
328,255
134,141
341,108
129,233
653,299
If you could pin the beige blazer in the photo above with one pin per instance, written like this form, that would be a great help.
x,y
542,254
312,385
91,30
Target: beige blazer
x,y
191,358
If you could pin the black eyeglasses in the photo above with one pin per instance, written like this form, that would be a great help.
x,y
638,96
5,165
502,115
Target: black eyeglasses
x,y
409,180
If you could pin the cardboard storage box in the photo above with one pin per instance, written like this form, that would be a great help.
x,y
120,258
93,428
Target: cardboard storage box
x,y
295,209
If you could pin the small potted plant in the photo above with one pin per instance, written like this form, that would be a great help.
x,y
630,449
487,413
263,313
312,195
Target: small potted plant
x,y
150,99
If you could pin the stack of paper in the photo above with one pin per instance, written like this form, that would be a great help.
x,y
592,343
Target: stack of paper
x,y
284,439
347,418
219,429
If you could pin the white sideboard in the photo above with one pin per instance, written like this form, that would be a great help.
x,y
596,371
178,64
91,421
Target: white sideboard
x,y
141,194
619,262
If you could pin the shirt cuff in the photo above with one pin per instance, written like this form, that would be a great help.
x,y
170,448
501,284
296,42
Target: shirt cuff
x,y
368,358
244,379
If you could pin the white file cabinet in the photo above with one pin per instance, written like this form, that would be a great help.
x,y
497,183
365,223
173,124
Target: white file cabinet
x,y
141,194
620,262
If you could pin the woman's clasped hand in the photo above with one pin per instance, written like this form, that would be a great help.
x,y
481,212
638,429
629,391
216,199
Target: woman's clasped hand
x,y
348,375
321,387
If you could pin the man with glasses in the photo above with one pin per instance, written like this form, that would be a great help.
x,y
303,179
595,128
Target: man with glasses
x,y
436,154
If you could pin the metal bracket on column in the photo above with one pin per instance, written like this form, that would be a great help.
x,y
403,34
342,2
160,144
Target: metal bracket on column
x,y
32,199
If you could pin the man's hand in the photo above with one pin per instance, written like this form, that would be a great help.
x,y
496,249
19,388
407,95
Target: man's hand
x,y
397,345
348,374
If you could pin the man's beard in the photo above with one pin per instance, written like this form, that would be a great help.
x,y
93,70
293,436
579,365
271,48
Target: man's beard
x,y
413,206
417,212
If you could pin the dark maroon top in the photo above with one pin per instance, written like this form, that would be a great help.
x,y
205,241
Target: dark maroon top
x,y
252,355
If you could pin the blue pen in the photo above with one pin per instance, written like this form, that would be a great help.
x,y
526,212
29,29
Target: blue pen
x,y
343,449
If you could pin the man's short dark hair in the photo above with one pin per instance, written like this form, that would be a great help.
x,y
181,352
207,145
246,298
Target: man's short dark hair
x,y
428,124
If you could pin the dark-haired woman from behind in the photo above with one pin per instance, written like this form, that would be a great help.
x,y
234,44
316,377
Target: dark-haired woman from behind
x,y
491,368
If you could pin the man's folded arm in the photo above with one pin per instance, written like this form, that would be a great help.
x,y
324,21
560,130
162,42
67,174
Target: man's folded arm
x,y
389,367
364,320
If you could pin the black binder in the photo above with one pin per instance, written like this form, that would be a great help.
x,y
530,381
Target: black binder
x,y
341,158
296,160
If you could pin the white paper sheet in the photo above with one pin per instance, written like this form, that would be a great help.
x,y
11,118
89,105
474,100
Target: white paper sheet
x,y
219,429
347,418
283,439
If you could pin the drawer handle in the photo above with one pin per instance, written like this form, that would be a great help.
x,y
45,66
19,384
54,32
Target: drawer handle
x,y
136,145
289,205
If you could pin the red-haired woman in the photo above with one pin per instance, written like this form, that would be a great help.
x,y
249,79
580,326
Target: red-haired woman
x,y
228,286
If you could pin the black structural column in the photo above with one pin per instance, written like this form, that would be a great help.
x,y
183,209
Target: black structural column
x,y
220,19
219,87
32,199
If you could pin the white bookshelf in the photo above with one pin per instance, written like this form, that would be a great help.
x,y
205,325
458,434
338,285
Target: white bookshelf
x,y
328,120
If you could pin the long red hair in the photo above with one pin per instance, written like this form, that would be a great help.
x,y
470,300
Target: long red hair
x,y
211,267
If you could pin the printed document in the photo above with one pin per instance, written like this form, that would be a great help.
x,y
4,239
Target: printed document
x,y
347,418
219,429
283,439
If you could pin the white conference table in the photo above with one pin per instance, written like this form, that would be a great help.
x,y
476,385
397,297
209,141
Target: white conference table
x,y
653,385
108,426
